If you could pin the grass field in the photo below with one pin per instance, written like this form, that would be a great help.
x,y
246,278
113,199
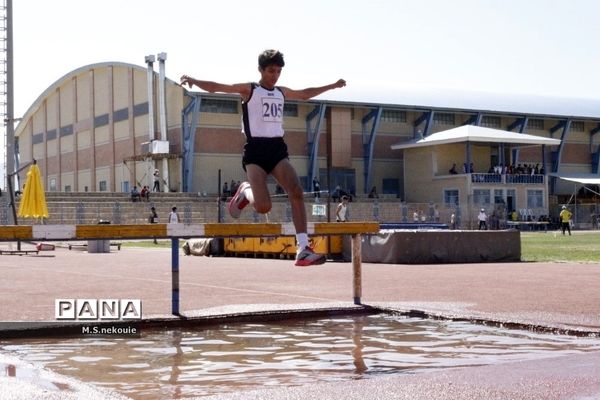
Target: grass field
x,y
582,246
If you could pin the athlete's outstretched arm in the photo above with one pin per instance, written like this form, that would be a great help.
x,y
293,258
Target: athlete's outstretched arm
x,y
212,87
309,93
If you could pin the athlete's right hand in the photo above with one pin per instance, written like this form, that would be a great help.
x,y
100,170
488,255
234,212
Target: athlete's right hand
x,y
186,80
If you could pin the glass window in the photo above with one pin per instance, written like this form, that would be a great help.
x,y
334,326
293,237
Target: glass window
x,y
498,196
67,188
219,106
53,184
102,186
535,198
393,116
290,110
577,126
451,197
490,121
481,196
443,119
535,124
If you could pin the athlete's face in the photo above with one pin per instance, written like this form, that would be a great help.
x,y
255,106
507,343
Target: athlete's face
x,y
269,76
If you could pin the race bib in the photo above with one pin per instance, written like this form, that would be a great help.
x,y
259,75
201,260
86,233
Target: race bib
x,y
272,109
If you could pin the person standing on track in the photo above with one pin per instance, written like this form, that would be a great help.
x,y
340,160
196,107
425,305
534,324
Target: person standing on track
x,y
265,152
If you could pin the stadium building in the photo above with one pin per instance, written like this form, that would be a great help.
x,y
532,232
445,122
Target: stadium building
x,y
106,127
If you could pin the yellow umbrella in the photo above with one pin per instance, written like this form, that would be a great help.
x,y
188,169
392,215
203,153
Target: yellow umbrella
x,y
33,202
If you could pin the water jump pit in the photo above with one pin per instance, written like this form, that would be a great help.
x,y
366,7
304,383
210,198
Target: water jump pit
x,y
186,361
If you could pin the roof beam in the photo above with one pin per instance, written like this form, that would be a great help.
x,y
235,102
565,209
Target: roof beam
x,y
514,124
189,122
522,124
369,143
557,155
474,119
426,117
559,125
312,138
596,154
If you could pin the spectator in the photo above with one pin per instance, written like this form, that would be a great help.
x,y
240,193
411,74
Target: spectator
x,y
145,194
135,194
373,193
279,190
482,217
316,187
153,217
341,213
226,192
156,187
174,216
337,193
452,170
565,220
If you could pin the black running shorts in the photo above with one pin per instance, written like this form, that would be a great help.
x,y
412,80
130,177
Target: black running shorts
x,y
264,152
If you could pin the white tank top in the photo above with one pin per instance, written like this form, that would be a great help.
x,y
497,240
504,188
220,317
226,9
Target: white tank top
x,y
263,113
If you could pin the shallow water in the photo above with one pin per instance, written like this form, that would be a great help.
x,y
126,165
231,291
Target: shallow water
x,y
243,356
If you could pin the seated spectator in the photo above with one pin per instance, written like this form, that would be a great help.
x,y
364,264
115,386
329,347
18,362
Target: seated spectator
x,y
336,195
145,194
279,190
225,191
345,193
135,194
373,193
452,170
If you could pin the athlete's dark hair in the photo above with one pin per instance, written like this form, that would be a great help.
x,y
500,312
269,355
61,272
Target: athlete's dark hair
x,y
270,57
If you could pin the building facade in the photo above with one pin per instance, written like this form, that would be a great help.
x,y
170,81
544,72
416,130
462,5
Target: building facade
x,y
90,130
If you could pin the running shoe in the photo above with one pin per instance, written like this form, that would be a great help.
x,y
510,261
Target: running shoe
x,y
308,257
238,201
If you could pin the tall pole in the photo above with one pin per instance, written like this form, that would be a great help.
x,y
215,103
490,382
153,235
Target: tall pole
x,y
162,107
10,110
149,163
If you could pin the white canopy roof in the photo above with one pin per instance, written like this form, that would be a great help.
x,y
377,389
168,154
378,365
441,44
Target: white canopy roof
x,y
584,179
473,133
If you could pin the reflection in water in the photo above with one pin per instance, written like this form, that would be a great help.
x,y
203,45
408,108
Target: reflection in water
x,y
178,360
193,362
359,364
11,370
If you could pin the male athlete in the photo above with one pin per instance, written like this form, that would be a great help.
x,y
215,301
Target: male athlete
x,y
265,151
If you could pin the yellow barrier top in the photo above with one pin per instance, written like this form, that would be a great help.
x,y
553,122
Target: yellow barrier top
x,y
148,231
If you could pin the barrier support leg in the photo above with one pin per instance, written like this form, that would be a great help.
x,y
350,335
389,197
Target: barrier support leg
x,y
357,267
175,276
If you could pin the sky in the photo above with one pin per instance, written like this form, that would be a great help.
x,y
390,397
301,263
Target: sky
x,y
388,51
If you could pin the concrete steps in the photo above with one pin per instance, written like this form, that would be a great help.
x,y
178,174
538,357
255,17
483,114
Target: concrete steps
x,y
91,207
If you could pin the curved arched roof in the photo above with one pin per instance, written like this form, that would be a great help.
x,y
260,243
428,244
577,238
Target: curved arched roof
x,y
59,82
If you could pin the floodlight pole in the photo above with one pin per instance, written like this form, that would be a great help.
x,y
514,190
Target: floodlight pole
x,y
9,116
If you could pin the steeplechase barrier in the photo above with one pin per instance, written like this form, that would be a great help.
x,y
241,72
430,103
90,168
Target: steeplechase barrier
x,y
10,233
